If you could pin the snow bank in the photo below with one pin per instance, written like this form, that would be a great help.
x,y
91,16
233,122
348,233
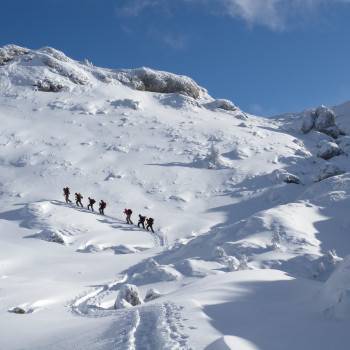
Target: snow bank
x,y
335,295
155,273
221,104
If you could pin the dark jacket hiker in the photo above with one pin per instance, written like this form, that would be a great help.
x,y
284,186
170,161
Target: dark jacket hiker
x,y
141,221
78,198
91,203
66,194
150,222
102,207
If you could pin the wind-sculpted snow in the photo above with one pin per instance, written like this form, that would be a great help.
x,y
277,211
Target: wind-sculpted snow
x,y
250,217
335,294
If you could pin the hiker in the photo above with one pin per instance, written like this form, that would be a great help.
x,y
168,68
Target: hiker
x,y
102,207
150,222
128,213
141,221
91,203
78,198
66,194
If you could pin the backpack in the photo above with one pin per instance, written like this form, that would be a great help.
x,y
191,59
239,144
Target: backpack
x,y
150,221
92,201
129,211
104,204
66,191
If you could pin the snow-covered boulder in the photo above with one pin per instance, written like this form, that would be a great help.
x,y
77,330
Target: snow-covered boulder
x,y
231,262
329,170
335,295
152,294
322,120
8,52
344,144
221,104
49,236
308,122
329,150
281,175
155,273
128,296
325,121
213,159
179,101
126,103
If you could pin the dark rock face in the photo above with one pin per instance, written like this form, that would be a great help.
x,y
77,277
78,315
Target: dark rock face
x,y
308,122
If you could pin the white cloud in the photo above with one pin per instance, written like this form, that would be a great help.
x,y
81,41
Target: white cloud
x,y
274,14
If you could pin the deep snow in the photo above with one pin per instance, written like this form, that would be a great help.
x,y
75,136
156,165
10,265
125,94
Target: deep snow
x,y
251,244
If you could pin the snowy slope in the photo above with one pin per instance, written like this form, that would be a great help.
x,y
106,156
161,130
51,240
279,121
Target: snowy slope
x,y
250,249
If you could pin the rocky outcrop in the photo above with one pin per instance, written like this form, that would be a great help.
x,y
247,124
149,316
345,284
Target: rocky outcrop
x,y
329,150
8,52
322,120
152,294
329,170
308,122
146,79
48,86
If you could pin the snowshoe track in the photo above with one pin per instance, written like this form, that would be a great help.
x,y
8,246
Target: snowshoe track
x,y
152,327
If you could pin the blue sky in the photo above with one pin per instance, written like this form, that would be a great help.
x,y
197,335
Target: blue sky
x,y
266,56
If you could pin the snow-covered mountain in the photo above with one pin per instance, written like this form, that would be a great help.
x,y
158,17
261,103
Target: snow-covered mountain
x,y
251,243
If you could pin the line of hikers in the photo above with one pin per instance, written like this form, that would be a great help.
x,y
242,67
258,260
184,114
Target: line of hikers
x,y
102,206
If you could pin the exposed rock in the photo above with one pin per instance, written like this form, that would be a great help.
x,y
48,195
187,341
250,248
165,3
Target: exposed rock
x,y
75,76
146,79
221,104
308,122
47,86
344,144
281,175
152,294
329,150
329,170
325,121
18,310
8,52
128,296
322,120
